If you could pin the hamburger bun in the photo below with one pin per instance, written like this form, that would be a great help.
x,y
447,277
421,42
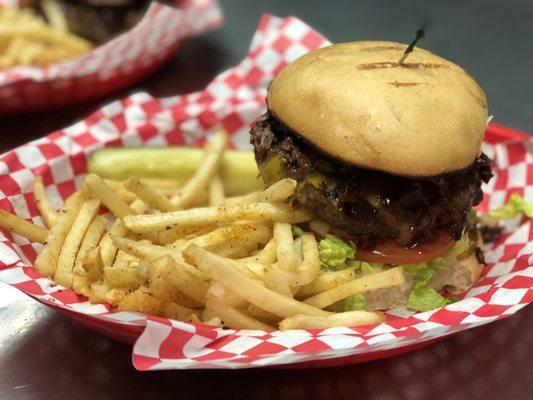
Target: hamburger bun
x,y
357,104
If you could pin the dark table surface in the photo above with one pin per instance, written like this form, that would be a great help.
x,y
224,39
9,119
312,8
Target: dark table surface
x,y
45,355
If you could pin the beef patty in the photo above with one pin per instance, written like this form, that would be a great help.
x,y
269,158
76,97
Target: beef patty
x,y
370,205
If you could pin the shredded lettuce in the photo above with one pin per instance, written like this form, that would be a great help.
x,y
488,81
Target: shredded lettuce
x,y
516,205
297,231
354,302
369,269
423,297
415,269
335,253
461,246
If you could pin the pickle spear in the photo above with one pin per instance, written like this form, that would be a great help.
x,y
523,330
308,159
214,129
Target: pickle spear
x,y
238,170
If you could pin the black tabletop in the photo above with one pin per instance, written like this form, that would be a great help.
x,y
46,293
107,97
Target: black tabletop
x,y
44,355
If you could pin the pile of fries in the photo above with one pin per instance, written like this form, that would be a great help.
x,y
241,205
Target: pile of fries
x,y
189,253
27,39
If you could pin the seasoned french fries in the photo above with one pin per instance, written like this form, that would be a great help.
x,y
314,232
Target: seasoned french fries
x,y
244,232
47,211
108,249
350,318
266,256
120,190
46,262
64,272
26,39
22,227
233,317
107,196
224,272
279,191
286,253
233,264
326,281
200,180
210,215
389,278
82,279
179,275
148,195
216,191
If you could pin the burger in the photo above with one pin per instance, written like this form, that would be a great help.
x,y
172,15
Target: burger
x,y
386,150
97,20
101,20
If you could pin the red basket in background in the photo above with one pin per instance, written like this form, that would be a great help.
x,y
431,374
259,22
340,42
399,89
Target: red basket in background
x,y
107,68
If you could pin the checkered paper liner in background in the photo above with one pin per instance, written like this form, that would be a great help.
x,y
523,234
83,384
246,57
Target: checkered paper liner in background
x,y
233,101
111,66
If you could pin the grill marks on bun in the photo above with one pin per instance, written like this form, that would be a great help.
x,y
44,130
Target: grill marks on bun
x,y
384,48
379,65
406,84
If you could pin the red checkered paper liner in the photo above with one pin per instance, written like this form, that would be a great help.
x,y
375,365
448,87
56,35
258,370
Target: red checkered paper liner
x,y
233,101
111,66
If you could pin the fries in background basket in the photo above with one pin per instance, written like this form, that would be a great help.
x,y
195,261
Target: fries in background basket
x,y
27,39
183,250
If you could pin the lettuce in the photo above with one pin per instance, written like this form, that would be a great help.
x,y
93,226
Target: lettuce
x,y
354,302
423,297
297,231
516,205
415,269
461,246
369,269
336,254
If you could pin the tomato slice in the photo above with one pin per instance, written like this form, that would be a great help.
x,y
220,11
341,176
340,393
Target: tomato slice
x,y
390,252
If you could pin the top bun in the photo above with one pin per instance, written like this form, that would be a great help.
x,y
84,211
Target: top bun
x,y
356,103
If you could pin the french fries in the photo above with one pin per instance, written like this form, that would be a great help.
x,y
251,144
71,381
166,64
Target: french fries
x,y
120,190
216,191
245,232
350,318
46,262
47,211
148,195
233,317
82,279
286,253
279,191
207,215
233,264
107,196
265,256
26,39
107,247
151,252
309,267
392,277
122,277
224,272
180,276
54,14
325,281
200,180
65,263
22,227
